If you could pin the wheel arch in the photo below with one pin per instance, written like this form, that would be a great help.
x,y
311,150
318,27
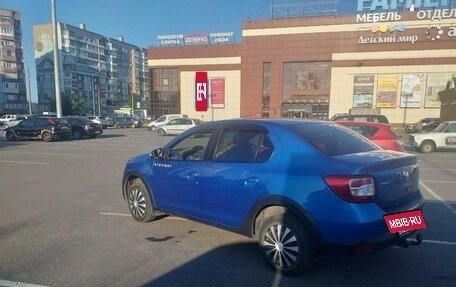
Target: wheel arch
x,y
128,180
278,205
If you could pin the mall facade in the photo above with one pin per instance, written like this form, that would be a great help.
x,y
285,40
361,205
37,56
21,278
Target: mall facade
x,y
391,63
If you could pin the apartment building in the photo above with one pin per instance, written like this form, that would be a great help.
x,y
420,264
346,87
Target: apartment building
x,y
103,73
13,92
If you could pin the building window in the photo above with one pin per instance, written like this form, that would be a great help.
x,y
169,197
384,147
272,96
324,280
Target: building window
x,y
305,91
165,92
266,98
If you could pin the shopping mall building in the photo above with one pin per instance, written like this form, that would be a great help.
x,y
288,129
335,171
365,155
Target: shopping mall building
x,y
393,63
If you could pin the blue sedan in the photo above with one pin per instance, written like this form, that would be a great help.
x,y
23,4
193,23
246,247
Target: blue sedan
x,y
297,186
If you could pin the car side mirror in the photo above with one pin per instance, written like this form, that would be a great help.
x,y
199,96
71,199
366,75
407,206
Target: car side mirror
x,y
157,154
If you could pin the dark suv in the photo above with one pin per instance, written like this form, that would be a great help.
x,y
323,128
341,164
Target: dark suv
x,y
360,118
40,127
83,127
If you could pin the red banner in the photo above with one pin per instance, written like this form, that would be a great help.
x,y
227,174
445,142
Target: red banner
x,y
218,93
201,92
405,221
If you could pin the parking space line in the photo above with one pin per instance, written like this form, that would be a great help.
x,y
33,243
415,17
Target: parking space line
x,y
439,242
5,283
26,162
434,194
46,153
128,215
438,181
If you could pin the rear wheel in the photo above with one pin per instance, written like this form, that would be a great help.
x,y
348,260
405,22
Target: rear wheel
x,y
427,147
10,136
47,137
286,245
161,132
139,202
77,134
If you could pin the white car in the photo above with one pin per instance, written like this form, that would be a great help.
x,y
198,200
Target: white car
x,y
177,126
443,137
15,121
152,126
6,118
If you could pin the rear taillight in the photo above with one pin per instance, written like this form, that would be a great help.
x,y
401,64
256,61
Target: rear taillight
x,y
352,188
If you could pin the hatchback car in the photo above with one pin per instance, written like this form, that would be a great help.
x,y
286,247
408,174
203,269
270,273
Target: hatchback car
x,y
360,118
381,134
297,186
83,127
177,126
39,127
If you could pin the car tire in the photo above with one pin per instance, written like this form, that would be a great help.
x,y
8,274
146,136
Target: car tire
x,y
10,136
427,147
77,134
286,245
139,202
46,136
161,132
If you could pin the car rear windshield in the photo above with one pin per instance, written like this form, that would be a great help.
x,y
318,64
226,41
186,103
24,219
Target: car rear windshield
x,y
333,140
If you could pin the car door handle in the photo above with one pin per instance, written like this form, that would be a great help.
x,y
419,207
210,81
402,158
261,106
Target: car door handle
x,y
251,181
192,176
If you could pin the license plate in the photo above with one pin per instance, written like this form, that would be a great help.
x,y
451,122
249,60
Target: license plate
x,y
97,132
405,221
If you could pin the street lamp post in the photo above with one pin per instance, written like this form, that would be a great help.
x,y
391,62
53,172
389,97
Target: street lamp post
x,y
28,92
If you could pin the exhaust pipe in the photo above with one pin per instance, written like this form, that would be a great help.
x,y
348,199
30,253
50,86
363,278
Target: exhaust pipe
x,y
406,242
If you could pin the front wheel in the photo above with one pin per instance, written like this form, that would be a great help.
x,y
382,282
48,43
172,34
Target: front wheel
x,y
427,147
47,136
286,245
139,202
10,136
161,132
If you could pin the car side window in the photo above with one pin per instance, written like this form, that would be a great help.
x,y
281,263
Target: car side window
x,y
451,128
26,123
192,147
242,146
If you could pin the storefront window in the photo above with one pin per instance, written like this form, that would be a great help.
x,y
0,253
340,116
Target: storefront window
x,y
266,99
306,87
165,92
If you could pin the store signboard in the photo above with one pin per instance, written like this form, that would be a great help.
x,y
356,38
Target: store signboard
x,y
363,91
387,89
435,84
201,91
412,90
217,91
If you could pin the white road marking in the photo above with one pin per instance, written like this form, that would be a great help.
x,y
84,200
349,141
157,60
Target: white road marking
x,y
5,283
26,162
433,193
128,215
439,242
438,181
45,153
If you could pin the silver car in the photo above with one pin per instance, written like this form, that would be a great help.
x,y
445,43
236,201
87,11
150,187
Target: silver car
x,y
177,126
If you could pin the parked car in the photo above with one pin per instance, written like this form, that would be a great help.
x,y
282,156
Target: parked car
x,y
163,120
424,125
6,118
443,137
100,120
360,118
297,186
83,127
39,127
177,126
15,121
381,134
126,122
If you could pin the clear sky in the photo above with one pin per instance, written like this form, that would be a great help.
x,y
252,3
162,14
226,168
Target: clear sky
x,y
141,21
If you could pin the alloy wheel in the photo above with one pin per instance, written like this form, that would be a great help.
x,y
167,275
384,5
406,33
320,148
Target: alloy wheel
x,y
281,246
137,203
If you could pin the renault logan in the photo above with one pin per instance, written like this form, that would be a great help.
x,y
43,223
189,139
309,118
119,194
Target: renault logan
x,y
297,186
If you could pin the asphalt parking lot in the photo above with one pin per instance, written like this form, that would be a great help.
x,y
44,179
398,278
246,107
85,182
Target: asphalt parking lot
x,y
63,222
